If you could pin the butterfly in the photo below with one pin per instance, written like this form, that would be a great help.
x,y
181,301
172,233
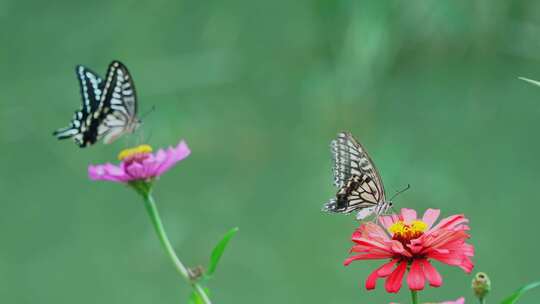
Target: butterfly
x,y
359,184
109,108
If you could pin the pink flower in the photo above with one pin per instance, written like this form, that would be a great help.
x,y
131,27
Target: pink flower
x,y
139,164
458,301
410,243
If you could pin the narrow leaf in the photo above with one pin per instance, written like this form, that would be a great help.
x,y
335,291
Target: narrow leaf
x,y
534,82
218,251
518,293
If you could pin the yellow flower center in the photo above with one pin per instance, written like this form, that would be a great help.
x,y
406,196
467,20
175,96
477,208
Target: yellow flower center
x,y
131,152
406,232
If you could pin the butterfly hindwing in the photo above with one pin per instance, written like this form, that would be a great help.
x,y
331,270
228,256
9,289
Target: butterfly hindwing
x,y
91,86
359,192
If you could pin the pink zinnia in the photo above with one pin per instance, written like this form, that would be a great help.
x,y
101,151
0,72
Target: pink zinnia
x,y
458,301
409,243
139,164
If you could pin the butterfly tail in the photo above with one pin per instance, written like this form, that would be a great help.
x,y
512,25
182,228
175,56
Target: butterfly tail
x,y
65,133
330,206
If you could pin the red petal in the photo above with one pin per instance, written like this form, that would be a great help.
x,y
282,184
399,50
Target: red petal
x,y
393,282
416,279
371,281
380,272
386,269
368,256
432,275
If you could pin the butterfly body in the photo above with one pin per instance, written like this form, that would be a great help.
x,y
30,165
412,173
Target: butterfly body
x,y
109,108
359,185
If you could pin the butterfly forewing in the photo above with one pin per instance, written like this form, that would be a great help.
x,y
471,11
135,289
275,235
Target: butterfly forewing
x,y
360,186
119,104
351,159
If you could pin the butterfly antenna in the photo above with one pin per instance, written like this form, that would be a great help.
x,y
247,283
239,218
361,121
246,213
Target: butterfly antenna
x,y
149,136
401,191
152,109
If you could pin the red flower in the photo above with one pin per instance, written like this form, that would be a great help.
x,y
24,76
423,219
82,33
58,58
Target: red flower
x,y
410,243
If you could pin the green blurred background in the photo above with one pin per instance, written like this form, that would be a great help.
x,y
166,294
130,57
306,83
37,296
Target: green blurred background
x,y
258,89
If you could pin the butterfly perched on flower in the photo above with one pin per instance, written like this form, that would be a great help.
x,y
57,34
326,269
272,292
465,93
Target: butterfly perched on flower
x,y
359,184
109,108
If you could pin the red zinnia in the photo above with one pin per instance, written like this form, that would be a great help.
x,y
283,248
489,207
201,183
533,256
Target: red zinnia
x,y
410,243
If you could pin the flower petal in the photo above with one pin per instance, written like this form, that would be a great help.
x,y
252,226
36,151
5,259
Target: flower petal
x,y
368,256
108,172
432,275
408,215
386,269
381,272
394,281
430,216
458,301
172,156
451,222
416,279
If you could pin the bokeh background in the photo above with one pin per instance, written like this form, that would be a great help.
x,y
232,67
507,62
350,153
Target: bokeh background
x,y
259,89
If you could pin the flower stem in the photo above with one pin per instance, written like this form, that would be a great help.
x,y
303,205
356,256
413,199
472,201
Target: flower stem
x,y
180,267
414,296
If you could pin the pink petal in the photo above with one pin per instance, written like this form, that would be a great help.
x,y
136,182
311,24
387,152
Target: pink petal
x,y
108,172
370,230
173,155
368,256
458,301
136,171
408,215
432,275
451,222
373,244
394,281
387,220
416,279
430,216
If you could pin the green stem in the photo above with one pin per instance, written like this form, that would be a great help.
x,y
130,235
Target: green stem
x,y
482,300
180,267
414,297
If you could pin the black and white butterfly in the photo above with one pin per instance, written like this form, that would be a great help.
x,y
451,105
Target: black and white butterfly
x,y
109,107
359,184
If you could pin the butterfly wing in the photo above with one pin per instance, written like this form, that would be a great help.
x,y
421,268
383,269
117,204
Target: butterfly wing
x,y
359,193
118,105
351,159
360,186
91,86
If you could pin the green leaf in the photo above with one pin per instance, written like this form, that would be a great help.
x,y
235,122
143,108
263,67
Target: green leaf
x,y
518,293
218,251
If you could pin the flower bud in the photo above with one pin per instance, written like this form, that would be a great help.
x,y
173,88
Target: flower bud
x,y
481,285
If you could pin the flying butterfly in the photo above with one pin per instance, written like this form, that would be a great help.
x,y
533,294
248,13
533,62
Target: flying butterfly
x,y
109,108
360,187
